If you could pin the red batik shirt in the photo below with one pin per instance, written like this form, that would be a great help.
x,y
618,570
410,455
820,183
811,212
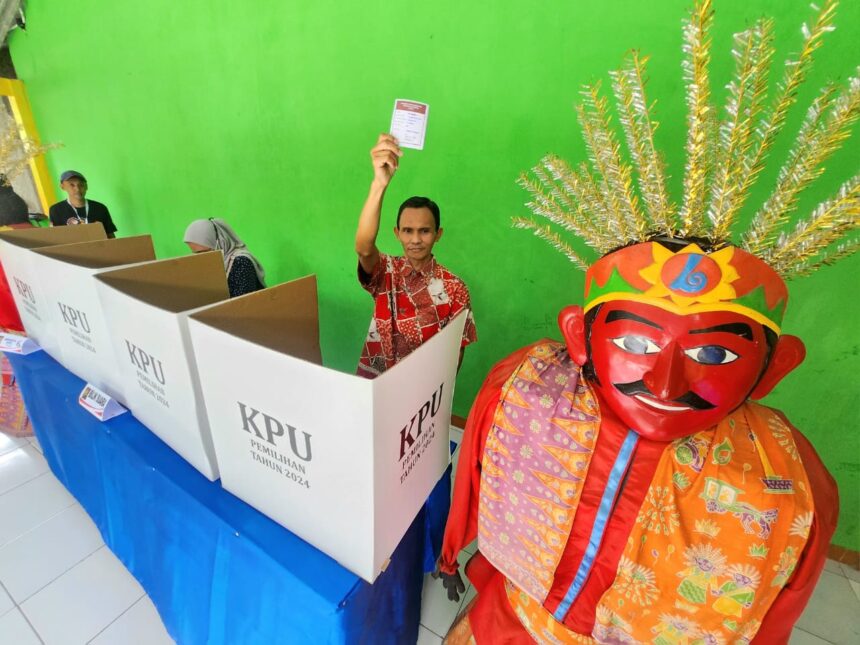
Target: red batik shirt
x,y
423,302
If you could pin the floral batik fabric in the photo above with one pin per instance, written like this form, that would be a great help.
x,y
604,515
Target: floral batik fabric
x,y
720,532
410,307
13,417
722,526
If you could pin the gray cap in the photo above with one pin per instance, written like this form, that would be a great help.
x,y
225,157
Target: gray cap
x,y
70,174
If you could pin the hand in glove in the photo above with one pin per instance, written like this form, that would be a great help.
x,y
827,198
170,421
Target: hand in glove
x,y
452,582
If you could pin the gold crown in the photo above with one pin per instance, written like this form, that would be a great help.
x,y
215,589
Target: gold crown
x,y
600,205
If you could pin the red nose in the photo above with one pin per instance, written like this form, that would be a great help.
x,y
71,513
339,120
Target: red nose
x,y
667,379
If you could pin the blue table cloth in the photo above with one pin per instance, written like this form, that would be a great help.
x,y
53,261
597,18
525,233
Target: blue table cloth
x,y
217,570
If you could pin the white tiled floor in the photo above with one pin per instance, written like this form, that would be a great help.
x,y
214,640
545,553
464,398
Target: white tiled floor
x,y
59,583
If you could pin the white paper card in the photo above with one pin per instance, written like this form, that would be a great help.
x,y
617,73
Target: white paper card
x,y
15,344
409,123
99,404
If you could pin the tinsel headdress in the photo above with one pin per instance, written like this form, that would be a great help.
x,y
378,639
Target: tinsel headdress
x,y
600,204
16,150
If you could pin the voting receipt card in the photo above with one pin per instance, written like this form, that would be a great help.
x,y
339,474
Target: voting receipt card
x,y
409,123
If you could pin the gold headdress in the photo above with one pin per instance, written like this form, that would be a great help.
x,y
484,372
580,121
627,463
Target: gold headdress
x,y
600,205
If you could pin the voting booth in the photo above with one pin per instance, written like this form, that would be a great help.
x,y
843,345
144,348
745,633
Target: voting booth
x,y
343,462
147,307
70,291
25,280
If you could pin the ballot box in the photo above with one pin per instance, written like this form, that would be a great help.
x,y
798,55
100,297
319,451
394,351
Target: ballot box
x,y
146,308
343,462
70,292
25,282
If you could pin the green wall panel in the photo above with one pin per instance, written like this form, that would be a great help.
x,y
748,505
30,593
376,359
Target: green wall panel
x,y
263,114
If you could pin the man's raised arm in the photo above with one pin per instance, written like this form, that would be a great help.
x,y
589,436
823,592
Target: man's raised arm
x,y
385,157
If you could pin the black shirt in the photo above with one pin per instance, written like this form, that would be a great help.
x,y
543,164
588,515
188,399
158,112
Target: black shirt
x,y
242,278
62,212
13,209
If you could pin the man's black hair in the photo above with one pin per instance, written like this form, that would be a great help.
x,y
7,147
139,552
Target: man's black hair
x,y
420,202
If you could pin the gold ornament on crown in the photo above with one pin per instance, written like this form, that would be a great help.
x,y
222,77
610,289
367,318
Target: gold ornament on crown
x,y
611,202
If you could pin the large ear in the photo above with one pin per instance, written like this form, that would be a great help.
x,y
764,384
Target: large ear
x,y
788,354
571,321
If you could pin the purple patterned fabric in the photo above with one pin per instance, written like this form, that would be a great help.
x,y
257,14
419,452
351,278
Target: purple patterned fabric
x,y
535,461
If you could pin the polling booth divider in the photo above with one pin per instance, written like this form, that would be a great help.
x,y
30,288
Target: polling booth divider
x,y
343,462
147,308
70,291
25,281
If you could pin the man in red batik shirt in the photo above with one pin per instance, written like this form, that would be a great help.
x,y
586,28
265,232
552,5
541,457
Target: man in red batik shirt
x,y
414,296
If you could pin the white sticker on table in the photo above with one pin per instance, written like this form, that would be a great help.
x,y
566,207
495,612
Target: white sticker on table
x,y
99,404
15,344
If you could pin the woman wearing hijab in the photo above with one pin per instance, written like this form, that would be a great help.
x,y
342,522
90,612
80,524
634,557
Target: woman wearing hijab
x,y
244,272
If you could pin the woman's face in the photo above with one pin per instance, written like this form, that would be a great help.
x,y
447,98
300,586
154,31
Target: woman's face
x,y
197,248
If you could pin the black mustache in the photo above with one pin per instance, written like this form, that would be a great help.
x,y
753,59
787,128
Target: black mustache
x,y
690,398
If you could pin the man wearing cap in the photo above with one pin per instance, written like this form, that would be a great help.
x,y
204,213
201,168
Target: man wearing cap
x,y
76,208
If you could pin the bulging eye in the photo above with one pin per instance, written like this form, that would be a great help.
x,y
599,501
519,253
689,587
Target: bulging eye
x,y
636,344
711,355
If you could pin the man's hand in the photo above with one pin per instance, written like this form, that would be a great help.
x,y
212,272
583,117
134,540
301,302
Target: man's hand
x,y
385,156
453,583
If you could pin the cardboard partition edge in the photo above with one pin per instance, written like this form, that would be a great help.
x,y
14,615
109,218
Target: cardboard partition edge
x,y
37,237
175,285
848,557
101,254
283,318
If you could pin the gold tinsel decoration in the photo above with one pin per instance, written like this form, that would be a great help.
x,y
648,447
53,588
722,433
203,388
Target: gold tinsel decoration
x,y
16,150
609,202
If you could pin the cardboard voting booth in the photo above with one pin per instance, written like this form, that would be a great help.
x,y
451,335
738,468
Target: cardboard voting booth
x,y
147,307
25,281
79,326
343,462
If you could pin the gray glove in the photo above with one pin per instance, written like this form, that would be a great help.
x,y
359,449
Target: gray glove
x,y
452,582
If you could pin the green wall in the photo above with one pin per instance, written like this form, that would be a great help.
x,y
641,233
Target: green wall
x,y
264,115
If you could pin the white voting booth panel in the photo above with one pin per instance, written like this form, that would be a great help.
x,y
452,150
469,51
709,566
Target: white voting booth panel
x,y
25,282
147,308
70,291
343,462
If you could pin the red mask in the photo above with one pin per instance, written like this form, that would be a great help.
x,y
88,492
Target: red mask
x,y
667,375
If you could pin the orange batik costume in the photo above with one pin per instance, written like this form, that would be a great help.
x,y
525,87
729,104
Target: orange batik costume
x,y
623,486
745,473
